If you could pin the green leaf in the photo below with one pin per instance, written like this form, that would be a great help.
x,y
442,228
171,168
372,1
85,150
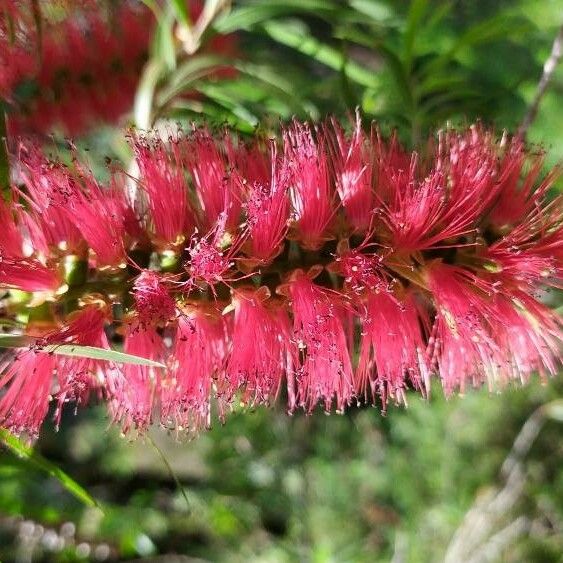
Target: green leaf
x,y
276,85
100,354
494,28
375,10
76,351
246,17
187,73
165,49
22,451
291,35
15,341
416,13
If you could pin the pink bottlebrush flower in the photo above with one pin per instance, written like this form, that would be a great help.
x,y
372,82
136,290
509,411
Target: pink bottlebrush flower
x,y
257,370
435,210
312,195
153,303
137,392
325,372
420,265
47,195
529,336
267,209
532,250
216,188
470,170
353,175
360,270
392,348
163,179
197,357
31,381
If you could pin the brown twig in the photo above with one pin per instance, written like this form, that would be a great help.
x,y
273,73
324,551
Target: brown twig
x,y
548,70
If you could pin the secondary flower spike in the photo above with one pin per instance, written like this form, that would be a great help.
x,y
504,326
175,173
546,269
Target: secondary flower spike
x,y
69,65
324,269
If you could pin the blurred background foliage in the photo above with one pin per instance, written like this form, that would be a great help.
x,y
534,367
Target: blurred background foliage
x,y
474,478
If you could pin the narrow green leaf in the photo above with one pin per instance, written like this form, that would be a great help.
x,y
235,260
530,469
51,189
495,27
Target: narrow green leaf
x,y
246,17
165,48
484,32
15,341
416,13
100,354
276,84
76,351
21,450
287,33
187,73
377,11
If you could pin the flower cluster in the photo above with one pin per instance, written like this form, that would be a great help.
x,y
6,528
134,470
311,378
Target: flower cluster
x,y
328,267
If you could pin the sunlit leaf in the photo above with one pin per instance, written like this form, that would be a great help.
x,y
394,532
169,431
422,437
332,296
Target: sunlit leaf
x,y
74,350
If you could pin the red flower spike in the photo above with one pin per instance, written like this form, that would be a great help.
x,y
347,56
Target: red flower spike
x,y
79,377
25,404
27,275
216,188
99,57
432,268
